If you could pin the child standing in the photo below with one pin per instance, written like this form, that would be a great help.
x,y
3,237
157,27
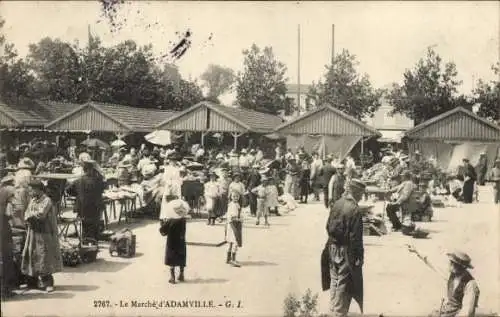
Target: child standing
x,y
234,228
261,193
272,197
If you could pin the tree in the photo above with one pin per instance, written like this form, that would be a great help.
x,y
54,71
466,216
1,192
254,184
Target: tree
x,y
16,81
343,88
429,89
261,86
218,80
487,95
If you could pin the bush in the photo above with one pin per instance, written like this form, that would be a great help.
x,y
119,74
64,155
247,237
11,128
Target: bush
x,y
307,306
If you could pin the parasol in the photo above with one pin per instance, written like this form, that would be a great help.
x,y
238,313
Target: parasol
x,y
118,143
95,143
159,137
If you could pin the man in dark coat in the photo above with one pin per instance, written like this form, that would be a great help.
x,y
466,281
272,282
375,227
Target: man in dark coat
x,y
89,204
253,181
469,180
327,173
482,168
345,250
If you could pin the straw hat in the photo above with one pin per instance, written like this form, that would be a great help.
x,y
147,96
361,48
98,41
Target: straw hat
x,y
25,163
460,258
179,208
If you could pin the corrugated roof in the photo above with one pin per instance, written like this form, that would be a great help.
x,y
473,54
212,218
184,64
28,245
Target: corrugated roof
x,y
257,121
457,124
248,119
327,120
138,119
36,113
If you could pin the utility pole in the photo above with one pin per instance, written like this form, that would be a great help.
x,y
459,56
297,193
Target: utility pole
x,y
298,68
333,57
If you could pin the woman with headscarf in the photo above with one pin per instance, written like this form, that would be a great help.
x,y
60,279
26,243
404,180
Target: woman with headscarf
x,y
42,253
7,270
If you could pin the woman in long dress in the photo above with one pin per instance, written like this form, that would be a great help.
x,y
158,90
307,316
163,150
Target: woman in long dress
x,y
212,192
42,253
173,225
7,271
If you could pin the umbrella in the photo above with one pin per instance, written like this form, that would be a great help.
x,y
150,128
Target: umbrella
x,y
159,137
95,143
118,143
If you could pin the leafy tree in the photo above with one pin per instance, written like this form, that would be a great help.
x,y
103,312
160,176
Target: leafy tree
x,y
345,89
487,95
16,81
176,92
218,80
261,86
429,89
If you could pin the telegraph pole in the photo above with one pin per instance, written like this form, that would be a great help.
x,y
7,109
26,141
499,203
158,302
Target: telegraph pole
x,y
298,68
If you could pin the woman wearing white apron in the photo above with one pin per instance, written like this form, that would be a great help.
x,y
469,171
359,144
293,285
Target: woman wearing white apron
x,y
234,227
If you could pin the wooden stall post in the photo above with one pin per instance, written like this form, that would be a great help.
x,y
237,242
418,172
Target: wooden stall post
x,y
203,138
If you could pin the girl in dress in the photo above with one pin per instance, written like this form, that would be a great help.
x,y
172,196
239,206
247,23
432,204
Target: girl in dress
x,y
211,192
234,227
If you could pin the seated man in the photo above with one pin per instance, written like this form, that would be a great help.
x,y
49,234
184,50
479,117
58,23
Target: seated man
x,y
423,210
405,201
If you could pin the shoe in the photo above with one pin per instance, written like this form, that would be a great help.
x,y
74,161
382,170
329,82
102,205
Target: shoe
x,y
234,262
228,258
267,224
181,277
257,223
171,281
278,214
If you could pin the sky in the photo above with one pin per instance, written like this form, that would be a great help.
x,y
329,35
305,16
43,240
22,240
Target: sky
x,y
386,37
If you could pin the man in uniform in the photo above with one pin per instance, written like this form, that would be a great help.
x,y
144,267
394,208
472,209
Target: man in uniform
x,y
345,249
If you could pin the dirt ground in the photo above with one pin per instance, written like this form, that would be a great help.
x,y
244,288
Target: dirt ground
x,y
276,261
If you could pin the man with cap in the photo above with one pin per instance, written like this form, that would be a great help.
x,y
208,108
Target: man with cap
x,y
469,174
89,204
336,184
495,178
462,290
345,249
327,173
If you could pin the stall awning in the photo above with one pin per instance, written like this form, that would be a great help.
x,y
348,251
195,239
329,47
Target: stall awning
x,y
391,136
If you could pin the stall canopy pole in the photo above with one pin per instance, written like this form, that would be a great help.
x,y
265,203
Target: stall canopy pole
x,y
203,139
235,136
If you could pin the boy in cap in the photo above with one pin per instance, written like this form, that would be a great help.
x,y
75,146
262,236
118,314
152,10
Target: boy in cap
x,y
260,192
462,289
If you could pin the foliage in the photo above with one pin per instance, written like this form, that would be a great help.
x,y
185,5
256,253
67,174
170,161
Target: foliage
x,y
261,86
16,80
487,95
343,88
307,306
218,80
122,74
429,89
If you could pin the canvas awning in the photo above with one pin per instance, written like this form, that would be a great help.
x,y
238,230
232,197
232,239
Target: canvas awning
x,y
390,136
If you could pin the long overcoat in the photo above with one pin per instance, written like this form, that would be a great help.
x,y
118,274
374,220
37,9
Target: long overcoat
x,y
175,250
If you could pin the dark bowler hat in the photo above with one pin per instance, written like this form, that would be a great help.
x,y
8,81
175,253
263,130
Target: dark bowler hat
x,y
357,184
460,258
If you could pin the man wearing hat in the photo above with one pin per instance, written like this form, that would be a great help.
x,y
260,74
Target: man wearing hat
x,y
89,204
482,168
495,178
406,201
469,174
462,289
345,249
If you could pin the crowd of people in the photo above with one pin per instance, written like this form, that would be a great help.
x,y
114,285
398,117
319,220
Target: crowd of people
x,y
172,183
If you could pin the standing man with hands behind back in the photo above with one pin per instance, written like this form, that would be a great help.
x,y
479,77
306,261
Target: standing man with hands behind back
x,y
345,249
